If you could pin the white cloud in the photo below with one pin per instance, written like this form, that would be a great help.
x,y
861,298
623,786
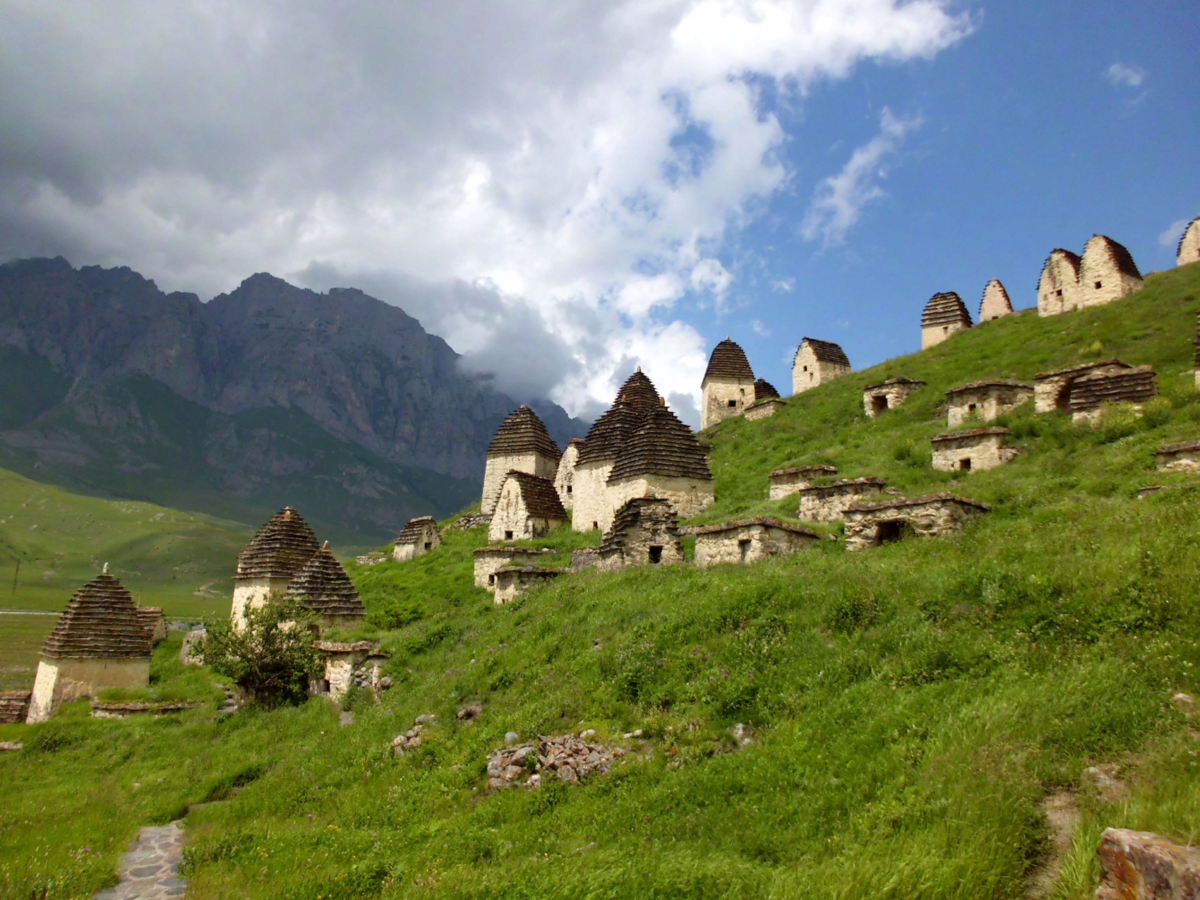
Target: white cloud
x,y
839,199
583,162
1170,237
784,285
759,328
1121,75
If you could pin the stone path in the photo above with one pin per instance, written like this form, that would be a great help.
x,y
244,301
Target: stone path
x,y
150,869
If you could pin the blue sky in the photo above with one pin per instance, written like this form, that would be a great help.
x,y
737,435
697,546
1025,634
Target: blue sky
x,y
566,189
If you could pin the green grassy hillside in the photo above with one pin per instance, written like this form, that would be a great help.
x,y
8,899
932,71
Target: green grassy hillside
x,y
912,706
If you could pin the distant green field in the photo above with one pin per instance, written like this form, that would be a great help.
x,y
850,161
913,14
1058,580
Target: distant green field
x,y
21,637
52,542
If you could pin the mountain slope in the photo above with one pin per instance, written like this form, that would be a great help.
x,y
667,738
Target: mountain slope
x,y
267,395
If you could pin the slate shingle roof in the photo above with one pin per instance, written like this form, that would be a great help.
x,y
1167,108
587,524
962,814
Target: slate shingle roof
x,y
892,381
901,502
639,392
323,587
541,498
728,360
1120,255
1134,385
609,433
101,621
279,549
764,389
661,445
945,308
654,511
523,432
970,433
825,351
976,385
415,528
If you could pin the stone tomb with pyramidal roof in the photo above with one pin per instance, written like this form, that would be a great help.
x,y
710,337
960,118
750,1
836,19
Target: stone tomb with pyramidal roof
x,y
564,477
794,479
879,398
527,508
995,303
748,541
324,589
945,314
521,444
767,401
817,363
100,642
638,448
270,561
985,401
419,536
727,388
645,532
1188,250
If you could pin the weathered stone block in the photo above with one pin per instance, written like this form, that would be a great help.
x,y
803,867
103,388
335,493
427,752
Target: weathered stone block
x,y
985,400
764,409
878,398
513,581
1181,457
827,503
489,560
977,449
1139,865
869,524
785,482
748,541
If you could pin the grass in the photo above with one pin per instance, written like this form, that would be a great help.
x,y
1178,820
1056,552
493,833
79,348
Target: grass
x,y
911,705
21,638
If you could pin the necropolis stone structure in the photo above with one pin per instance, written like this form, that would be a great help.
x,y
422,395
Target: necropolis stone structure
x,y
1181,457
748,541
270,561
817,362
1188,250
419,536
967,451
489,560
513,581
645,532
1107,272
1058,287
14,706
1089,393
728,384
564,477
100,642
869,524
785,482
347,665
324,589
662,458
521,444
945,313
878,398
828,502
608,434
767,401
764,390
995,303
985,400
154,622
1052,390
527,508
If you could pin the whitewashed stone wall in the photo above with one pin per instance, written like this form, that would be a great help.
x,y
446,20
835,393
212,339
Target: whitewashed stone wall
x,y
489,560
765,409
785,482
878,398
592,504
876,523
1181,457
1100,280
1058,288
497,469
932,335
1189,245
511,520
564,476
60,681
689,496
809,372
996,303
253,593
513,582
747,542
971,452
985,403
347,664
724,398
428,539
828,503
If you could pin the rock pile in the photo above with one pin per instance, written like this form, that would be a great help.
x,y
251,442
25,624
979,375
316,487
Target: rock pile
x,y
568,757
412,738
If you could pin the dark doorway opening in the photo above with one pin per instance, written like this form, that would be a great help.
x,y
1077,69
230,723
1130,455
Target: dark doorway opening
x,y
964,465
732,404
744,549
655,555
889,532
879,404
508,535
428,545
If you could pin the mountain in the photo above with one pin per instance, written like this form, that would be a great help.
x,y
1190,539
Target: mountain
x,y
271,394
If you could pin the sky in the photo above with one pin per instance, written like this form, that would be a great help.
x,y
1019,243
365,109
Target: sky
x,y
567,189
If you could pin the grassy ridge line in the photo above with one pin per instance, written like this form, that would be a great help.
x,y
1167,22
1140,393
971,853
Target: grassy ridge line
x,y
61,539
913,704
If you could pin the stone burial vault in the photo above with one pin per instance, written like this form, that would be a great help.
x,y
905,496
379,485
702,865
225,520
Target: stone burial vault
x,y
324,589
817,363
984,400
645,532
879,398
419,536
1052,390
869,524
1089,393
974,450
521,444
1181,457
727,388
267,565
944,315
995,303
1105,273
748,541
767,401
792,480
489,560
827,502
1188,250
513,581
526,508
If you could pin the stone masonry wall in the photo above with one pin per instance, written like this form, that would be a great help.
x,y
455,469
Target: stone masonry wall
x,y
593,506
1181,457
489,560
748,543
406,551
827,503
809,372
564,476
785,482
880,397
1058,287
512,582
765,409
688,496
511,520
985,403
724,398
939,515
981,451
14,706
1189,245
253,593
62,681
932,335
498,467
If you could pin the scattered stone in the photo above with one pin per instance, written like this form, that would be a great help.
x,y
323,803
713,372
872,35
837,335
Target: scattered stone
x,y
587,734
511,737
189,652
385,683
410,740
123,710
1105,780
10,745
633,734
371,559
470,711
743,734
570,759
426,719
1139,865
